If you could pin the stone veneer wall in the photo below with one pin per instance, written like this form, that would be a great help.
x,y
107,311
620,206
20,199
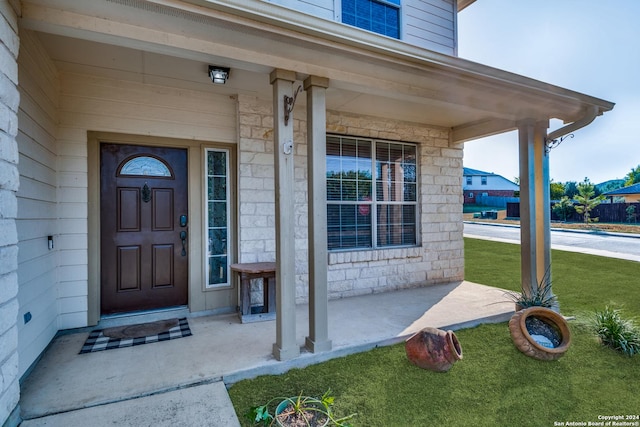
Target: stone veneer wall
x,y
438,259
9,181
440,256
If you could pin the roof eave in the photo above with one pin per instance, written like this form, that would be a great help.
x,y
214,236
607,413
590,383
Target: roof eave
x,y
462,4
395,50
477,100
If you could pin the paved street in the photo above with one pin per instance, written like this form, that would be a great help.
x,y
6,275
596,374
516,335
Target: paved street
x,y
615,246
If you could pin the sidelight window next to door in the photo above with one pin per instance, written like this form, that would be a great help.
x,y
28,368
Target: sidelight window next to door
x,y
217,217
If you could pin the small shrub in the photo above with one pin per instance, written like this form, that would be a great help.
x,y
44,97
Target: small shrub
x,y
539,296
618,333
564,208
298,411
631,213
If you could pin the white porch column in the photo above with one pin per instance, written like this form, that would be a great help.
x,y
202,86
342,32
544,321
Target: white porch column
x,y
285,346
535,215
318,339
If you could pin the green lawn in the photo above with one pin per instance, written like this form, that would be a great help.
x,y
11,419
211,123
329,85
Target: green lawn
x,y
582,282
494,384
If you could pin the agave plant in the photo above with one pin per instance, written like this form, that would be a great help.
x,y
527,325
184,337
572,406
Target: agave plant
x,y
615,332
540,296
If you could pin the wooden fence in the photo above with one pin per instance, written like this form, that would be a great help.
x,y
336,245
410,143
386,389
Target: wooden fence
x,y
606,212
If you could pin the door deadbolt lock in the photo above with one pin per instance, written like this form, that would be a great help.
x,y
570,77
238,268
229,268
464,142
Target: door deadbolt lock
x,y
183,220
183,237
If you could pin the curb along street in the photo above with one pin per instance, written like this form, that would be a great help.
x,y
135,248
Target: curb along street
x,y
563,230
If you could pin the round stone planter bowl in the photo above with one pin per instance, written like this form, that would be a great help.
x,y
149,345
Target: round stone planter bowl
x,y
528,345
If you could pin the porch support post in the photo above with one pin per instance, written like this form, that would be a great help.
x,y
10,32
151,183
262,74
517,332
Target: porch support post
x,y
535,215
285,346
318,339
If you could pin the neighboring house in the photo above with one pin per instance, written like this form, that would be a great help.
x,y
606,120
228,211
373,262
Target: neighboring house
x,y
130,181
630,194
479,183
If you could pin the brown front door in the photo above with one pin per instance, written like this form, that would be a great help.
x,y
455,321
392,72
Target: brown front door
x,y
143,227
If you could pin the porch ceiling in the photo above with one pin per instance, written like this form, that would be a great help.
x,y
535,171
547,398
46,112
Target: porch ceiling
x,y
170,40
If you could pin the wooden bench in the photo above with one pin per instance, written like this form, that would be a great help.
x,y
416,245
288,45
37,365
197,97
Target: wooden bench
x,y
257,270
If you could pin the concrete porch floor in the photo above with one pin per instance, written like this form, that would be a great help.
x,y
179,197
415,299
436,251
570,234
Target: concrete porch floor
x,y
183,381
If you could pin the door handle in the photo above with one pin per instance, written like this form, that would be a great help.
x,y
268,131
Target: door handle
x,y
183,237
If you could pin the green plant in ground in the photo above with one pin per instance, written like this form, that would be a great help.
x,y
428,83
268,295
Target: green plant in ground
x,y
539,296
298,411
615,332
631,213
564,208
587,201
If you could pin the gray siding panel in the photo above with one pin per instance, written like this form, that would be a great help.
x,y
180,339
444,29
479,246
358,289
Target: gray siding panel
x,y
320,8
430,24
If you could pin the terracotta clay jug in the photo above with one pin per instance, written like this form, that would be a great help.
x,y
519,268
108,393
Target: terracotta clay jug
x,y
433,349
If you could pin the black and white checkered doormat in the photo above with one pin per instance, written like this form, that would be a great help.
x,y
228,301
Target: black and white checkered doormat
x,y
97,341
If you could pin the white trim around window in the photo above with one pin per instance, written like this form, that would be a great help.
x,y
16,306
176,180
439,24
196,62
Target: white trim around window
x,y
217,215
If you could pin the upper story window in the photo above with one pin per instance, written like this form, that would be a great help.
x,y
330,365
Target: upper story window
x,y
483,180
379,16
469,180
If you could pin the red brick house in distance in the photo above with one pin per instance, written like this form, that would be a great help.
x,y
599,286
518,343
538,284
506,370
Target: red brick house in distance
x,y
476,183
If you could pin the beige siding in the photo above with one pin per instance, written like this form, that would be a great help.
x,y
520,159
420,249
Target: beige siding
x,y
320,8
37,200
9,104
99,102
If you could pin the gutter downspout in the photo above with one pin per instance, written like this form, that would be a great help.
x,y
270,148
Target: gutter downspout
x,y
555,138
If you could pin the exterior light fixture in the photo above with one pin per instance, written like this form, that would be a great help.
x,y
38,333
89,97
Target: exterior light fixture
x,y
218,75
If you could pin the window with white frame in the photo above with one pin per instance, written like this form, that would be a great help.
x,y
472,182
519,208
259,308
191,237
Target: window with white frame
x,y
379,16
483,180
217,217
372,193
469,180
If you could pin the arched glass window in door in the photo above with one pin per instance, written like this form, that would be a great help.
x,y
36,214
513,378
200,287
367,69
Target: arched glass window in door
x,y
145,166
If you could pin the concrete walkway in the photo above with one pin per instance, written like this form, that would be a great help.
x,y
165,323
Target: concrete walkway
x,y
183,382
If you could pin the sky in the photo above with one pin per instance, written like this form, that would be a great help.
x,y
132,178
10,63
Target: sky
x,y
588,46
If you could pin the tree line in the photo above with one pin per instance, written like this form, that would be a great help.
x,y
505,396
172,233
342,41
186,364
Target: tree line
x,y
570,188
583,197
